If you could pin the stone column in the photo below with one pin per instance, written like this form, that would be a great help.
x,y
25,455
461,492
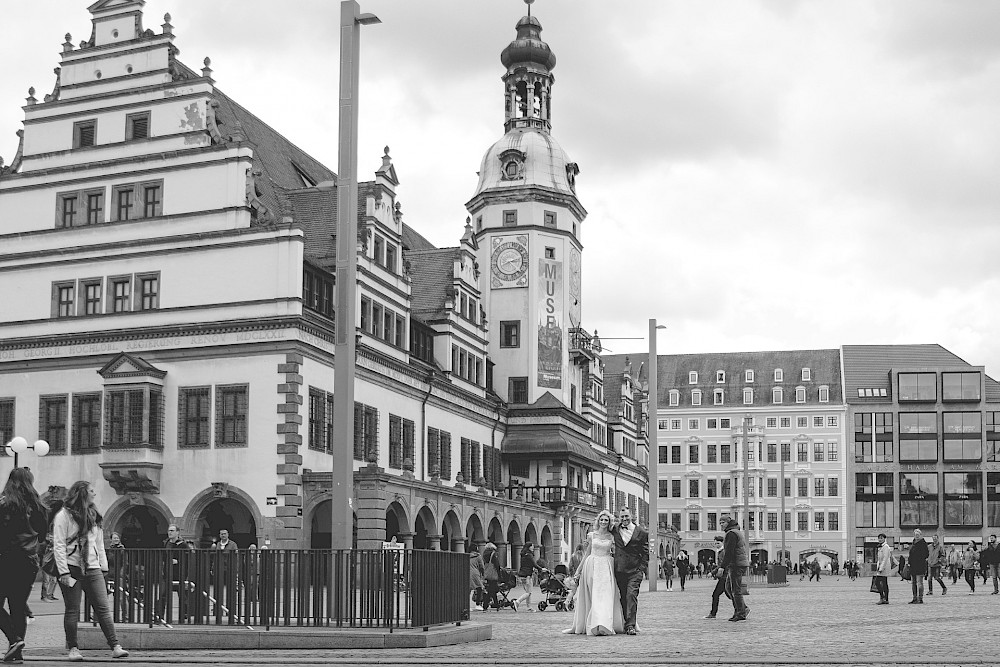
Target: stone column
x,y
370,503
458,545
406,539
502,554
434,542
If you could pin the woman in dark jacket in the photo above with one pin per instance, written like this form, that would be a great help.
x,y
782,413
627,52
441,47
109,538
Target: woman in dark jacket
x,y
23,524
527,568
491,575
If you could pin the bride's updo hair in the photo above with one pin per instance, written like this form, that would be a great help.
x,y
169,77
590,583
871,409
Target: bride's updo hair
x,y
597,519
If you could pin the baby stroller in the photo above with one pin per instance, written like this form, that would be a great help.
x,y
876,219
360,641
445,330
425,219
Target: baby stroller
x,y
505,585
554,590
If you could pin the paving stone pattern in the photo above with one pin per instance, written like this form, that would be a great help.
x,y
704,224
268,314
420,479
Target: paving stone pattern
x,y
835,621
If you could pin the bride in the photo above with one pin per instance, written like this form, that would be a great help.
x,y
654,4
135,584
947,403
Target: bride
x,y
598,605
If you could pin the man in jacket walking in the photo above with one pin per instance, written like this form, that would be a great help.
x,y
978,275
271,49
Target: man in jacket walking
x,y
735,560
990,561
935,561
918,566
883,566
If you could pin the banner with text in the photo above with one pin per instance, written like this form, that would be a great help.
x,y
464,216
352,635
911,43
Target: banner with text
x,y
550,324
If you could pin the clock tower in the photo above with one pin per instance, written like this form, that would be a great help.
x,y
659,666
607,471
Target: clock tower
x,y
528,224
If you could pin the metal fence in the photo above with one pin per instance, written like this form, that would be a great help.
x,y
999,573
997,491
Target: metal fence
x,y
284,587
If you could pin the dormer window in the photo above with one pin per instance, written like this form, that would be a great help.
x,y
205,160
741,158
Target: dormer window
x,y
675,398
696,397
777,395
800,394
693,377
824,394
718,396
512,165
720,376
806,375
779,375
749,376
748,396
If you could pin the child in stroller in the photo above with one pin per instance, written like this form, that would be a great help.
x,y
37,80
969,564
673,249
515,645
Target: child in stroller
x,y
505,585
554,589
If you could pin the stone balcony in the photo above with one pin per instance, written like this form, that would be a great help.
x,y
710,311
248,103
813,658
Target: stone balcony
x,y
133,469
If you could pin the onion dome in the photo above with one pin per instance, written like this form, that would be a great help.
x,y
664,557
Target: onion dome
x,y
528,47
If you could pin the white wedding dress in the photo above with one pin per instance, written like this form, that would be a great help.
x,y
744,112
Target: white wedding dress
x,y
598,605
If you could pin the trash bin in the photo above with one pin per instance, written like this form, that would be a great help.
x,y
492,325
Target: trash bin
x,y
777,574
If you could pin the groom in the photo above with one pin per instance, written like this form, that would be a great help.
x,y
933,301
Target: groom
x,y
631,561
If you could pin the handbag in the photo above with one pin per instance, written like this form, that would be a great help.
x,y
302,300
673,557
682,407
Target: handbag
x,y
875,587
905,572
49,566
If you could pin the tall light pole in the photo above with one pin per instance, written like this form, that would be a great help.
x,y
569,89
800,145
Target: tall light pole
x,y
351,20
19,445
652,437
747,419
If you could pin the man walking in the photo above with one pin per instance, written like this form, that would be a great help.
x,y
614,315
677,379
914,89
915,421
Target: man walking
x,y
990,561
918,566
883,566
631,563
735,560
935,561
176,574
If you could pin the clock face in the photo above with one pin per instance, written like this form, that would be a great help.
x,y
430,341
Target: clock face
x,y
509,263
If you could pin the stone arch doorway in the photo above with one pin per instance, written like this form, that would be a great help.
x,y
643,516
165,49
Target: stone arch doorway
x,y
229,514
321,526
706,556
141,527
396,523
514,543
423,526
495,535
545,550
451,532
474,534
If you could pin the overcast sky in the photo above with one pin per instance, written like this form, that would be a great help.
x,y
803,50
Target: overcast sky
x,y
759,175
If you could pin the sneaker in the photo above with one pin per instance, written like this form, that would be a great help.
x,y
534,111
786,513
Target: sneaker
x,y
513,605
75,655
478,608
119,652
944,591
710,616
14,651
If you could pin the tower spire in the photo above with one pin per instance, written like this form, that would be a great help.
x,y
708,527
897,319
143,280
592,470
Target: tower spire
x,y
528,80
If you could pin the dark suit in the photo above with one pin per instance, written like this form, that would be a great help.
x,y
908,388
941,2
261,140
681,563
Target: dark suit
x,y
631,562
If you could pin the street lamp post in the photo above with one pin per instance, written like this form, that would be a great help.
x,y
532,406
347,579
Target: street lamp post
x,y
747,420
19,445
653,434
345,346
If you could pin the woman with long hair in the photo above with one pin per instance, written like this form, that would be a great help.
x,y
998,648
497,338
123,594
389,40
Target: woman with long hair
x,y
598,604
78,546
528,566
23,523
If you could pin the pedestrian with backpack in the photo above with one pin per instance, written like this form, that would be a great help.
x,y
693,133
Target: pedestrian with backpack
x,y
22,525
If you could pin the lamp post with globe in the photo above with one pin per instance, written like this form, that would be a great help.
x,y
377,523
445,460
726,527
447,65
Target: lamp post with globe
x,y
19,445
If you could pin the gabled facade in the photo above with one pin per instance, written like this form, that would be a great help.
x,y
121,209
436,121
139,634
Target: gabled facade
x,y
175,262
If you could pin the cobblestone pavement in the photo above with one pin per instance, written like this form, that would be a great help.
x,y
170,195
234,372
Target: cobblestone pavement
x,y
833,622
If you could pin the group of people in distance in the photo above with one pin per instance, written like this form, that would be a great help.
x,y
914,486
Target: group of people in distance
x,y
927,560
79,554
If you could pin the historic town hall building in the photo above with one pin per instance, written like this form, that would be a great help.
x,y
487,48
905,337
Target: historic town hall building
x,y
170,264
